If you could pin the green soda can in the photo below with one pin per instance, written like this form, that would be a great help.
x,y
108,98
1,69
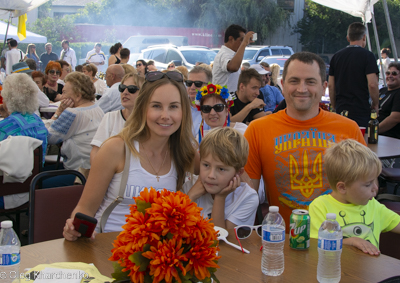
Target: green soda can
x,y
299,236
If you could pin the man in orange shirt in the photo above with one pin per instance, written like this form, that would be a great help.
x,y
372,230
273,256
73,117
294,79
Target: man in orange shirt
x,y
286,148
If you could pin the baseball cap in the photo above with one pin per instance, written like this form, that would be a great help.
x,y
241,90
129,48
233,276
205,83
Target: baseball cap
x,y
259,69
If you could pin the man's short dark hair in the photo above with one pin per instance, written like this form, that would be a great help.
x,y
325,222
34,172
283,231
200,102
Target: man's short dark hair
x,y
307,58
246,76
62,63
65,41
9,39
31,63
395,65
234,31
13,43
124,53
97,44
150,62
356,31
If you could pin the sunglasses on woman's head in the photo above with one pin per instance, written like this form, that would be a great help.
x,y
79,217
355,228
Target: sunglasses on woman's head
x,y
216,107
52,72
196,83
139,65
131,88
157,75
394,73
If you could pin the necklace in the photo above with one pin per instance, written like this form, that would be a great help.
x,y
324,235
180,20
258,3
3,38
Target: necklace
x,y
162,164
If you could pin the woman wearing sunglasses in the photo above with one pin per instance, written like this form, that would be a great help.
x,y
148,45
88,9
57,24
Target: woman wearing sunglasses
x,y
141,67
90,70
52,89
159,138
214,109
113,122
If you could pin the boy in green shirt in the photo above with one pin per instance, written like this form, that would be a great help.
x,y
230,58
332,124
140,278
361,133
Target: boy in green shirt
x,y
352,170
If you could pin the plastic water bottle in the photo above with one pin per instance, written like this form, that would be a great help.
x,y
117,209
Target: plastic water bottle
x,y
273,241
9,253
330,239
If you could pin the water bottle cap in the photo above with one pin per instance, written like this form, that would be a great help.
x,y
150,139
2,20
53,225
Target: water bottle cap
x,y
6,224
273,209
331,216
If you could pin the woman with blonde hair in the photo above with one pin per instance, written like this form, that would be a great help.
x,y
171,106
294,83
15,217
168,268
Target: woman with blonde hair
x,y
158,135
31,54
91,71
275,71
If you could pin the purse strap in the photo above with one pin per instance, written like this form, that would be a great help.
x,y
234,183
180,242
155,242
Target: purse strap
x,y
122,187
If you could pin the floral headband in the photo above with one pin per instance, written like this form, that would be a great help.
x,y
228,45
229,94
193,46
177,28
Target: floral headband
x,y
211,89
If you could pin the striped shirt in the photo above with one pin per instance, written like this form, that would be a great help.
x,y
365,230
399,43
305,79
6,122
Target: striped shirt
x,y
29,125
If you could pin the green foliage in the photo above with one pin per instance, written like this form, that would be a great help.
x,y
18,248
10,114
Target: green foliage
x,y
139,260
118,273
323,30
54,29
142,205
44,10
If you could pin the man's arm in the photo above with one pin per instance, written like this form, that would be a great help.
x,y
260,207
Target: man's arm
x,y
261,114
235,63
332,93
242,114
373,89
392,120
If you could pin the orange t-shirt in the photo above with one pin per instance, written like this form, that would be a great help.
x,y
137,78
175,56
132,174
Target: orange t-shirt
x,y
288,154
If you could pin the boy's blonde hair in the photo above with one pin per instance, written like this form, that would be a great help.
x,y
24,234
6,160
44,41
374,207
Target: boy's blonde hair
x,y
349,161
228,145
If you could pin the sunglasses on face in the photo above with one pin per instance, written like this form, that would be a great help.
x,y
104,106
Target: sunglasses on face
x,y
139,65
52,72
131,88
394,73
216,107
196,83
157,75
171,66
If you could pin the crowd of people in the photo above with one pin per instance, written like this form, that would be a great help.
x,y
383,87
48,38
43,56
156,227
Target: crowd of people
x,y
212,132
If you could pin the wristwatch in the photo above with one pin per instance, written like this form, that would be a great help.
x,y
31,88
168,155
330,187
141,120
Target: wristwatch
x,y
55,115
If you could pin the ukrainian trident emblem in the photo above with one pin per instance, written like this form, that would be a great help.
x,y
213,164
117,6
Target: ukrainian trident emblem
x,y
307,182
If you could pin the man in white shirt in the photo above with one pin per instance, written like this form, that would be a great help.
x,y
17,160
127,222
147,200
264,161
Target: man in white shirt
x,y
111,100
96,56
227,63
68,54
13,56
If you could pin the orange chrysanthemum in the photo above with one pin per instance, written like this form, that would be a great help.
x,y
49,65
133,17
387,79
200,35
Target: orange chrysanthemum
x,y
165,237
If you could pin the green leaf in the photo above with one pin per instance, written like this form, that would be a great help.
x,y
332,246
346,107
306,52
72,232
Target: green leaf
x,y
118,273
147,278
139,260
142,205
214,278
169,236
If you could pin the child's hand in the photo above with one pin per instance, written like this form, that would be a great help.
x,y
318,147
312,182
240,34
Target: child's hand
x,y
233,184
363,245
197,190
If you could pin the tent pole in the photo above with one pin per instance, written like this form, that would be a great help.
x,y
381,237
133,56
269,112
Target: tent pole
x,y
390,31
368,39
5,37
379,48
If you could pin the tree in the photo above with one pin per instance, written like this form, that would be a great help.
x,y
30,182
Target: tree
x,y
55,29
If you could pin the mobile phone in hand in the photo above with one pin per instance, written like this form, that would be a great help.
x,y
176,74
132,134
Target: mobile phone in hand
x,y
254,36
84,224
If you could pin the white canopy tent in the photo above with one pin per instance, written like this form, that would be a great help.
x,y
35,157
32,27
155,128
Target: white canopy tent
x,y
12,33
18,7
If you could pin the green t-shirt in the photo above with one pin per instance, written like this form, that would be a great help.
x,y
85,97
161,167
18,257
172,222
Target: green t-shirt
x,y
363,221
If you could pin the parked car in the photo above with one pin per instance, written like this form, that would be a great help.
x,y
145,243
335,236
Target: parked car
x,y
184,55
280,60
137,43
255,53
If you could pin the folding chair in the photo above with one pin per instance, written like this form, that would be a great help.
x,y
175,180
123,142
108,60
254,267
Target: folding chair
x,y
391,175
49,208
388,243
17,188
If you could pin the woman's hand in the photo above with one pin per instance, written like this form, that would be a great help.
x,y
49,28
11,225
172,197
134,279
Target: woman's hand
x,y
65,103
70,233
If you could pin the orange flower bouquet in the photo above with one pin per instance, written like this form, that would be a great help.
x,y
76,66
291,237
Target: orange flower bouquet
x,y
166,240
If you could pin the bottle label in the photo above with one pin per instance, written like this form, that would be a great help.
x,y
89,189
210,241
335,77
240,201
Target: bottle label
x,y
9,259
330,245
274,235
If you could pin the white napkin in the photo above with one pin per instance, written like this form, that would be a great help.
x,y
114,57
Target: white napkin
x,y
60,275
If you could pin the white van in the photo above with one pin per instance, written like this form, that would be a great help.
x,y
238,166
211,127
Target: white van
x,y
137,43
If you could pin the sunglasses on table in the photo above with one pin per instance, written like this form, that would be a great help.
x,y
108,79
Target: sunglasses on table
x,y
244,231
217,107
394,73
196,83
157,75
131,88
52,72
139,65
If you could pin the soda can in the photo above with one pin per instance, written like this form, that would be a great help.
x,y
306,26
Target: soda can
x,y
299,236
